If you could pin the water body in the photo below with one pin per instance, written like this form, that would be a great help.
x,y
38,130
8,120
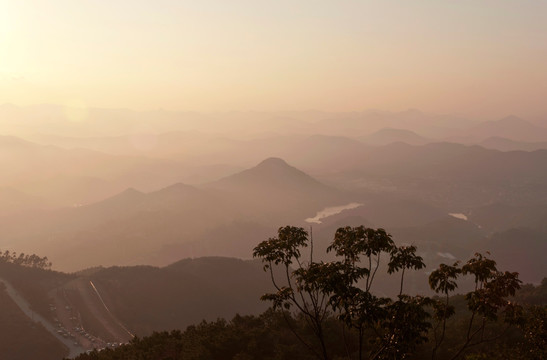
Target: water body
x,y
331,210
458,216
446,255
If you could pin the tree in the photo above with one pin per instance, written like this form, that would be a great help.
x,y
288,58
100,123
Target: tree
x,y
31,261
302,287
393,328
486,302
314,288
534,327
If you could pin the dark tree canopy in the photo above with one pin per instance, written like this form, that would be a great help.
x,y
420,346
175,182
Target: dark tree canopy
x,y
32,261
386,328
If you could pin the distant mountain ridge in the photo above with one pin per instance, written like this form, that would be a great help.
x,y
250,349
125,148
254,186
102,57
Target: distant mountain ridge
x,y
183,293
280,189
134,227
510,127
505,144
390,135
273,173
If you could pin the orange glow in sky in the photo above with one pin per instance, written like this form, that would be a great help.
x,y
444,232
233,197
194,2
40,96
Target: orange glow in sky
x,y
486,58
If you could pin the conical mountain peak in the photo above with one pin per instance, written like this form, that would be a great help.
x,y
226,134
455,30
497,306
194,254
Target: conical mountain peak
x,y
272,173
273,162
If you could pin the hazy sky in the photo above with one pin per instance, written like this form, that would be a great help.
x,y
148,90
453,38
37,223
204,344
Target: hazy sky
x,y
485,58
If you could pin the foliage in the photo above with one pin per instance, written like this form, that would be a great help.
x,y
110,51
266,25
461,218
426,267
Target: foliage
x,y
244,337
534,328
32,261
388,328
318,288
269,336
486,302
32,277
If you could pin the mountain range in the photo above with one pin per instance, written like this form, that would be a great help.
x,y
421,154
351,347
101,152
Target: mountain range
x,y
231,215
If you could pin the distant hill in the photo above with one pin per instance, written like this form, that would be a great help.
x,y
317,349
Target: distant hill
x,y
510,127
13,142
446,235
321,153
70,190
189,221
503,216
186,292
22,338
389,135
522,250
276,187
142,298
302,151
67,177
362,123
180,220
272,174
504,144
451,175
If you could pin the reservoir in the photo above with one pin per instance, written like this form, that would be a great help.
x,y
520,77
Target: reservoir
x,y
458,216
331,210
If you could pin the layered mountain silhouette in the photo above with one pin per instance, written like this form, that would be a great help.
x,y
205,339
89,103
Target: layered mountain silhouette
x,y
520,249
504,144
510,127
142,298
67,177
274,188
389,135
451,175
180,220
274,174
183,293
138,191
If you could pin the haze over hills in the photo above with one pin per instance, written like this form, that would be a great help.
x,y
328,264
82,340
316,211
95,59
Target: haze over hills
x,y
118,230
141,298
279,185
148,148
12,200
123,131
396,185
449,174
65,177
511,127
504,144
153,196
388,135
183,293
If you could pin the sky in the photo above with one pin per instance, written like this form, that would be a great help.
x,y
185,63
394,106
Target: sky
x,y
479,58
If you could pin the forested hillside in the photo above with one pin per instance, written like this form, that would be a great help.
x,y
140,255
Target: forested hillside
x,y
21,337
268,336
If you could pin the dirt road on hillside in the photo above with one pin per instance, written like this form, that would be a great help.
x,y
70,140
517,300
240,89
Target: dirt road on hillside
x,y
74,350
80,310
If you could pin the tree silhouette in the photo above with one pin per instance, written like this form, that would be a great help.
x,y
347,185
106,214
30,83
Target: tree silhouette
x,y
315,288
393,328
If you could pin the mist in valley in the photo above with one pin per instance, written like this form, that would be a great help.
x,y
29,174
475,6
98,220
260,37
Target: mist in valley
x,y
146,150
188,189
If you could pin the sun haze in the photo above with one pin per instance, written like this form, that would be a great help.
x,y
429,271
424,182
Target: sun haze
x,y
485,58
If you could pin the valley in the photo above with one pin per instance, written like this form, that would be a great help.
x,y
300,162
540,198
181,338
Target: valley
x,y
273,180
144,239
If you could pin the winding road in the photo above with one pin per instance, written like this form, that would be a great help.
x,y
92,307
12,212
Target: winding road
x,y
74,350
108,311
